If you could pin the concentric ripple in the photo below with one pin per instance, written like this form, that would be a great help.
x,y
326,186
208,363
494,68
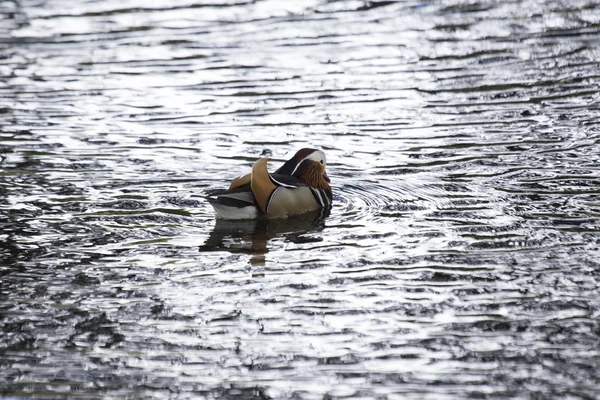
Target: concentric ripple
x,y
370,202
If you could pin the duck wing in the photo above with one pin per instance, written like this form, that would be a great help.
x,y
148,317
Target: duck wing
x,y
287,181
262,185
239,197
240,193
237,204
240,181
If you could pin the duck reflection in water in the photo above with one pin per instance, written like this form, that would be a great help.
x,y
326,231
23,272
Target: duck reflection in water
x,y
253,236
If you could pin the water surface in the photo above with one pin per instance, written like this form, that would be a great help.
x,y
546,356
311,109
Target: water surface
x,y
460,259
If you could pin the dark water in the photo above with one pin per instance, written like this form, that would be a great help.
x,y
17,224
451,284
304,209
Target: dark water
x,y
461,258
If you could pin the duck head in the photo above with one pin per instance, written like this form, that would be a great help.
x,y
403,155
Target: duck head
x,y
308,165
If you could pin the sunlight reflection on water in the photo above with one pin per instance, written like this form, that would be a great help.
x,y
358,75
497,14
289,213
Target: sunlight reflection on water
x,y
458,261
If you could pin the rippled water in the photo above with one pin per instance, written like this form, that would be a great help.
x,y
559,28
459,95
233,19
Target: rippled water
x,y
460,259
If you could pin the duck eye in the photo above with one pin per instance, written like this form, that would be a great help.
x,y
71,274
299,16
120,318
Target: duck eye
x,y
321,162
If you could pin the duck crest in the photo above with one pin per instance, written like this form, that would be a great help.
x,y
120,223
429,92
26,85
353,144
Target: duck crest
x,y
290,165
302,154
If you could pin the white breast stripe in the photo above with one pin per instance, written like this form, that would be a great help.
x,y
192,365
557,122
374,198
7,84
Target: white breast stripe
x,y
326,198
271,198
318,196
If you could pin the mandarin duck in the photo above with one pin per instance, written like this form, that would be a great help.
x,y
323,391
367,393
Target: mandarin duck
x,y
301,185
